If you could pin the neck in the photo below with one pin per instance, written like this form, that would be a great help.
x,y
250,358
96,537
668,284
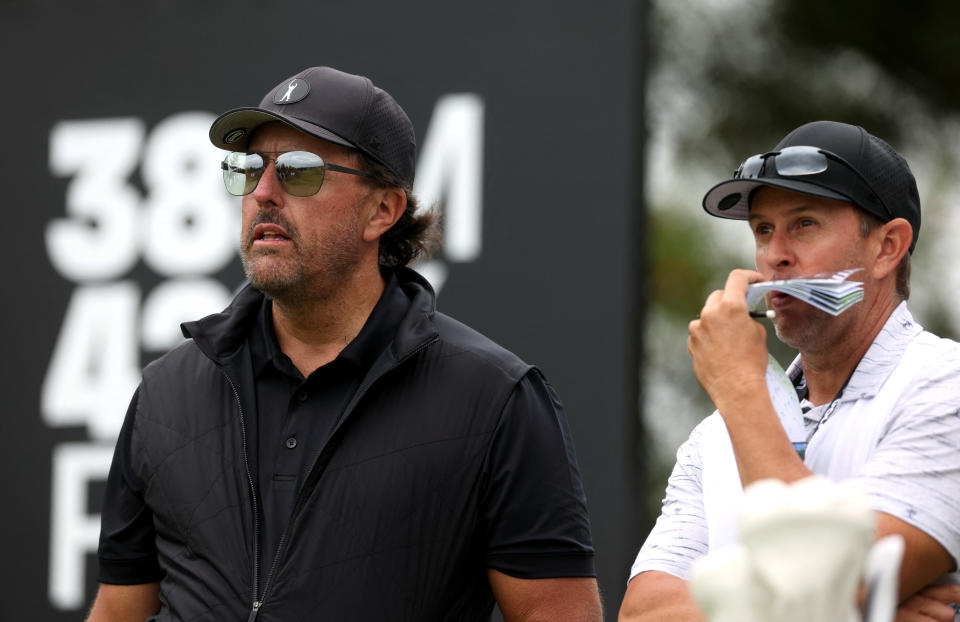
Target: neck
x,y
312,331
827,371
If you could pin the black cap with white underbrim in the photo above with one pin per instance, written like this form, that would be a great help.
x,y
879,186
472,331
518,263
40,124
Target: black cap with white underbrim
x,y
878,180
339,107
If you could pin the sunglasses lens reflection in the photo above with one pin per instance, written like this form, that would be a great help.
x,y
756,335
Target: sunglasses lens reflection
x,y
751,167
800,161
302,172
241,172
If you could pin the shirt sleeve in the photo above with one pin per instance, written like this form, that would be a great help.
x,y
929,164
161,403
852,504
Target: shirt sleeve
x,y
534,510
127,553
680,535
914,472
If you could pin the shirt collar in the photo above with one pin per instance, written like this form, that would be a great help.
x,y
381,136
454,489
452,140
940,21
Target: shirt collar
x,y
262,340
376,334
381,326
877,363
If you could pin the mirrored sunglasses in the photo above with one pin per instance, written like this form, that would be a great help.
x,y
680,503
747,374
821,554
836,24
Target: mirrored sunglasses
x,y
301,173
788,162
796,161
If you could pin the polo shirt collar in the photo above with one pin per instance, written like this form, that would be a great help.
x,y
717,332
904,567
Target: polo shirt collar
x,y
376,334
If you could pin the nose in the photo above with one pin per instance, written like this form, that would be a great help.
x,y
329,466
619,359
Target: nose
x,y
775,252
269,190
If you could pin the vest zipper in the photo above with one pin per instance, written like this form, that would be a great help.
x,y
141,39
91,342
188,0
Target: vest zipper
x,y
254,611
253,497
273,567
257,604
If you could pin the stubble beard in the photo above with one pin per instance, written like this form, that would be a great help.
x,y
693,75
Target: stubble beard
x,y
812,330
815,331
312,271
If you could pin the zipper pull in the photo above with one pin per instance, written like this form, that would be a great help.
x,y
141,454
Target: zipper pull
x,y
254,611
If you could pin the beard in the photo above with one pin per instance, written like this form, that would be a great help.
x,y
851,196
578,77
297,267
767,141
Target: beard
x,y
314,269
813,330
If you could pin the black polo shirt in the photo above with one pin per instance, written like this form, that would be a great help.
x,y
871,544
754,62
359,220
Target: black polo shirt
x,y
295,415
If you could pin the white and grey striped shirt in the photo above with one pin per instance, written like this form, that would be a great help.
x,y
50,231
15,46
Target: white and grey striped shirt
x,y
908,459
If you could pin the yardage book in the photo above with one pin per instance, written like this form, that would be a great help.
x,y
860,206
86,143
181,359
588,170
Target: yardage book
x,y
832,293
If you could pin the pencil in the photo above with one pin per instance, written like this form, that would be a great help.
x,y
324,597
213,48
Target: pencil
x,y
769,314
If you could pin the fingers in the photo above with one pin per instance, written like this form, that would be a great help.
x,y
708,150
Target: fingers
x,y
710,303
739,280
944,593
725,335
734,292
921,607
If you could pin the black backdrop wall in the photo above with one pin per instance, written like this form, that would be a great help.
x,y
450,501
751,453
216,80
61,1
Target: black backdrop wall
x,y
118,228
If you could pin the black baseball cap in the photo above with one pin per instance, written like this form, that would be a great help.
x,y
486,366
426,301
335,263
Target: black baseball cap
x,y
340,107
858,168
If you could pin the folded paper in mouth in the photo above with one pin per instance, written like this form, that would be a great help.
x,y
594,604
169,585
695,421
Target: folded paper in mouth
x,y
832,293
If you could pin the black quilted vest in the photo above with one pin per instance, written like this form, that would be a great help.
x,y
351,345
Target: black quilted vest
x,y
385,527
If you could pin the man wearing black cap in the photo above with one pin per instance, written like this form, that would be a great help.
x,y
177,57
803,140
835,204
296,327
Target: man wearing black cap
x,y
881,396
330,447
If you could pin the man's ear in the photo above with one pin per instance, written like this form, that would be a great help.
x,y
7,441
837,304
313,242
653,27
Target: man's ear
x,y
893,242
390,205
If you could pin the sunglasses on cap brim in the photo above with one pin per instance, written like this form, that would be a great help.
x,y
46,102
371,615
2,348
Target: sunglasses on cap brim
x,y
301,173
794,162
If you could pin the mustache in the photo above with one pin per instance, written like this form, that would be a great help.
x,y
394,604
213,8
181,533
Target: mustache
x,y
272,217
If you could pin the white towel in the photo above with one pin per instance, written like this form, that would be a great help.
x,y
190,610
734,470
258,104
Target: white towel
x,y
722,490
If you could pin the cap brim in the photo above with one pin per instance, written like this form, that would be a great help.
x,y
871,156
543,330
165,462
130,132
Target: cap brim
x,y
232,130
731,198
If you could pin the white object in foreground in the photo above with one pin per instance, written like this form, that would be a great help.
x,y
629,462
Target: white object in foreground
x,y
803,553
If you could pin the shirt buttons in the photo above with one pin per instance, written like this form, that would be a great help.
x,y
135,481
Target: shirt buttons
x,y
302,396
291,442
